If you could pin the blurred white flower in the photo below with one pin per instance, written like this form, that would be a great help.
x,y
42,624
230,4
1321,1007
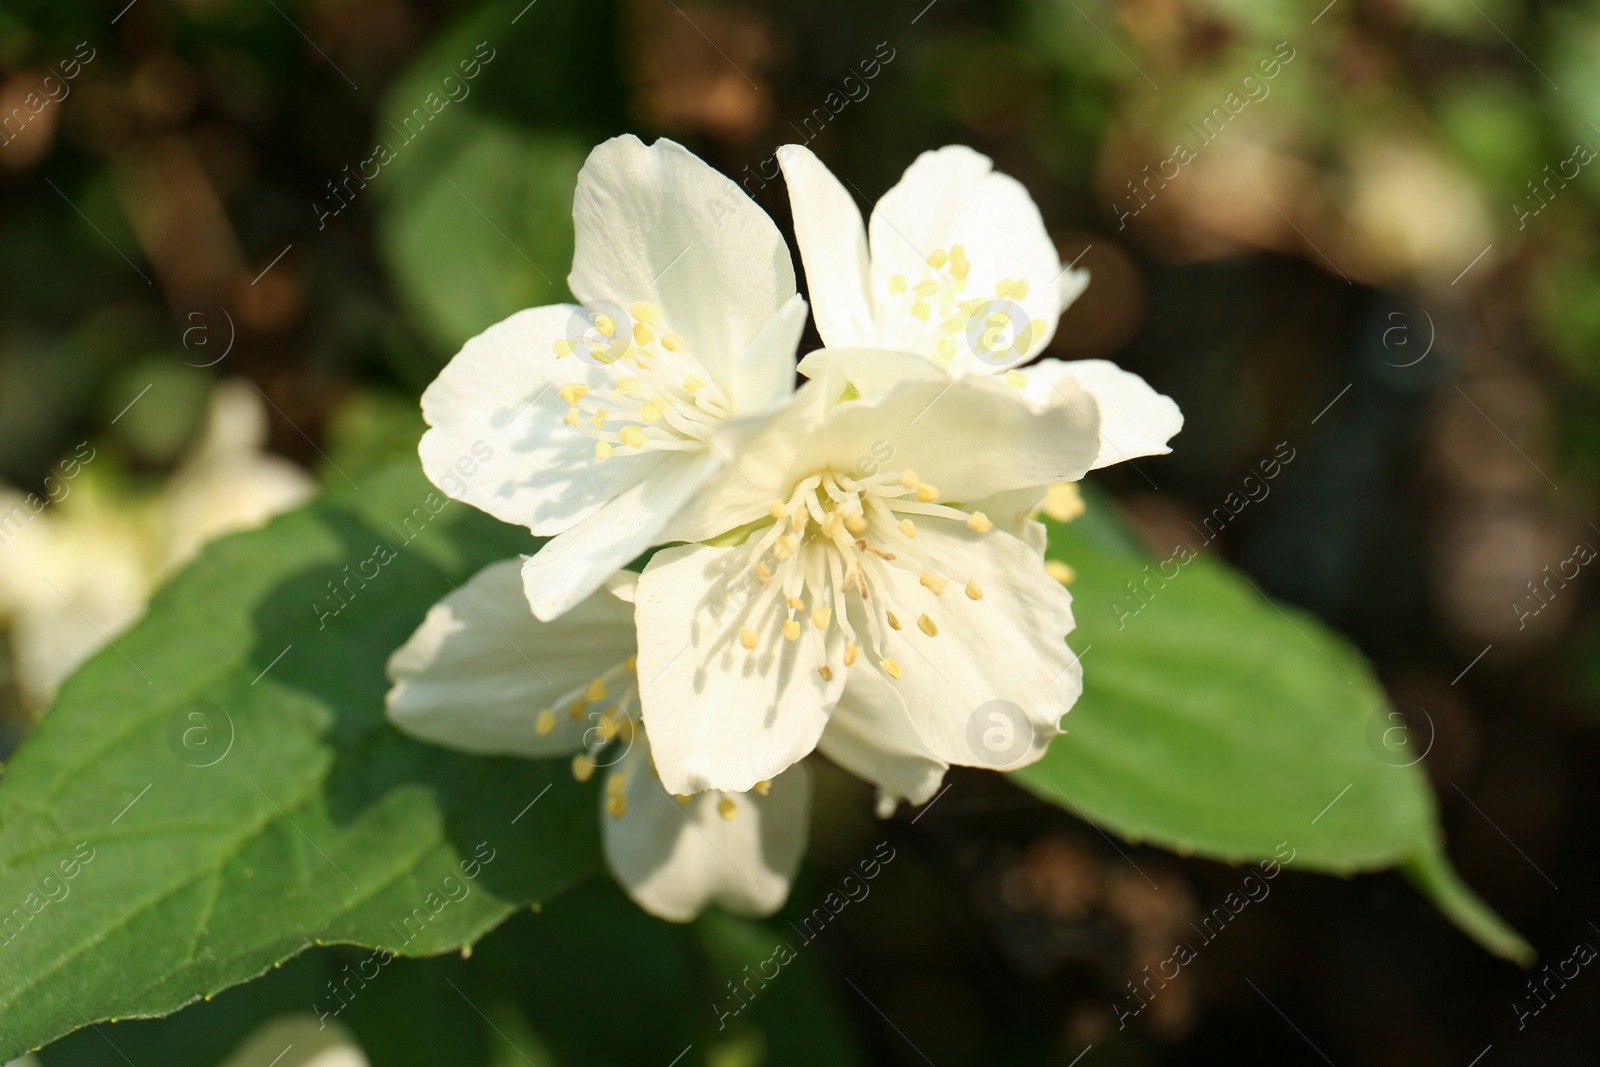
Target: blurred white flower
x,y
601,421
77,571
483,675
956,266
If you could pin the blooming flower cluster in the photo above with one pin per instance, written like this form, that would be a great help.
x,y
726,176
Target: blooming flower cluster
x,y
847,567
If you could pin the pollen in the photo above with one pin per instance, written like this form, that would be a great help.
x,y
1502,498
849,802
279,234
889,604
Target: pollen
x,y
926,493
1061,572
545,724
747,637
572,391
908,527
821,617
894,623
891,668
632,436
974,590
927,625
603,450
645,311
851,652
582,767
672,342
596,690
978,522
791,630
727,808
933,581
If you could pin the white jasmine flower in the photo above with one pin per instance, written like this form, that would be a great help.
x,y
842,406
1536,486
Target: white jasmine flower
x,y
956,266
593,425
861,604
483,675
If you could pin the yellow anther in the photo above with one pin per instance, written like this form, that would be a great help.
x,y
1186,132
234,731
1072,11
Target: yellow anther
x,y
851,652
954,324
778,510
1059,571
927,625
791,629
1019,289
631,663
821,617
692,385
764,573
945,350
1016,379
631,386
562,347
897,284
643,334
632,436
577,708
649,411
606,728
596,690
998,318
644,311
605,324
572,391
925,288
763,787
682,798
672,342
938,258
891,668
1036,328
571,417
727,808
616,804
799,519
908,527
978,522
926,493
921,310
1002,288
603,450
908,479
795,603
974,590
582,767
826,672
785,547
989,340
599,418
958,253
894,623
855,523
933,581
545,724
1063,502
747,637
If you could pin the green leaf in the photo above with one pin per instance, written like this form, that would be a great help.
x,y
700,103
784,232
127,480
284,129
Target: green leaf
x,y
1218,722
187,854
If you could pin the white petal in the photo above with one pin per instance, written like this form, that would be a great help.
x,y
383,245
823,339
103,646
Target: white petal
x,y
655,223
833,248
480,668
990,688
763,374
497,440
721,716
953,196
572,566
970,437
676,858
870,370
1135,420
870,735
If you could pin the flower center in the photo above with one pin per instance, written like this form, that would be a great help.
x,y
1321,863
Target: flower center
x,y
998,330
660,399
828,554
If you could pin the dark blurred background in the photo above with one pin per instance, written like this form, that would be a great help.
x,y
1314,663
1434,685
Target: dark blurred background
x,y
1365,229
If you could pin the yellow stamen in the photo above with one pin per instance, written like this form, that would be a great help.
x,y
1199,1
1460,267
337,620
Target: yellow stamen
x,y
908,527
1063,502
1061,572
855,523
582,767
631,663
921,310
602,450
897,284
791,629
938,258
927,625
563,347
649,411
763,787
643,334
605,324
826,672
571,417
692,385
894,623
933,581
821,617
747,637
632,436
545,724
891,668
974,590
727,808
978,522
926,493
645,311
672,342
596,690
1016,379
572,391
795,602
851,651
